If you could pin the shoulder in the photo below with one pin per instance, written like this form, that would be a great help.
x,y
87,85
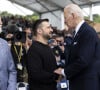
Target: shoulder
x,y
88,30
33,47
3,43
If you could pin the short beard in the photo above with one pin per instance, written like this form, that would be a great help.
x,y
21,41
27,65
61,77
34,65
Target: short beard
x,y
47,37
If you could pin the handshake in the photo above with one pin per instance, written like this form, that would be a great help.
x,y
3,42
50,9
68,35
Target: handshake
x,y
59,71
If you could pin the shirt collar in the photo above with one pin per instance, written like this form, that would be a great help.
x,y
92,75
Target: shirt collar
x,y
78,26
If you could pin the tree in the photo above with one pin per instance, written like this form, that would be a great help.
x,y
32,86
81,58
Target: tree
x,y
96,18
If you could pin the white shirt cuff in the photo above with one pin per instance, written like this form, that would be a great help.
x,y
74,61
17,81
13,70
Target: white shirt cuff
x,y
62,72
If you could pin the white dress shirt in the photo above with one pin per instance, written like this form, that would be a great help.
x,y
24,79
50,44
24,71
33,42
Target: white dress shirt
x,y
78,26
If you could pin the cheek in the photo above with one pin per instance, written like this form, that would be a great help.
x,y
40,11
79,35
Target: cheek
x,y
71,22
66,22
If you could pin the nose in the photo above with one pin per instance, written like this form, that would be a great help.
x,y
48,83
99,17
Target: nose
x,y
65,22
0,23
51,29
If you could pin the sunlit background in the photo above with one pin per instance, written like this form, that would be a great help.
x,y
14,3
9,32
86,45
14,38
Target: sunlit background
x,y
13,8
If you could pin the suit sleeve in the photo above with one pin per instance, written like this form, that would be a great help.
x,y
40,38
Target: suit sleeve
x,y
11,71
84,55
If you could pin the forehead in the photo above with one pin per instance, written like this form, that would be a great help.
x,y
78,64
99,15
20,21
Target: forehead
x,y
66,11
45,23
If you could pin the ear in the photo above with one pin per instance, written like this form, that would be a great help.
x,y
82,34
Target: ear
x,y
74,15
39,31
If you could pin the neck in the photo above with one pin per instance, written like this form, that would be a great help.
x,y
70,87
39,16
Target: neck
x,y
41,39
78,21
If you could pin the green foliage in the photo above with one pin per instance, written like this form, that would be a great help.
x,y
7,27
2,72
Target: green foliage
x,y
96,18
5,13
35,16
86,17
32,17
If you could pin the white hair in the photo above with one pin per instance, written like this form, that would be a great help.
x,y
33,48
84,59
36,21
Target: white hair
x,y
73,8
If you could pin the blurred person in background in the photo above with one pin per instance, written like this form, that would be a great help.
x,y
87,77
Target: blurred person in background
x,y
19,56
41,61
2,33
28,42
15,39
58,50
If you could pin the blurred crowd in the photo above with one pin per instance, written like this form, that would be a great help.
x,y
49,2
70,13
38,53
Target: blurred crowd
x,y
19,35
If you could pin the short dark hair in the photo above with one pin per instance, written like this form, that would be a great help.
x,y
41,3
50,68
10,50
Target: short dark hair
x,y
36,25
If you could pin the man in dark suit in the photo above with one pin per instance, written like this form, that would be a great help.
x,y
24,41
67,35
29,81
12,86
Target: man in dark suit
x,y
82,69
41,61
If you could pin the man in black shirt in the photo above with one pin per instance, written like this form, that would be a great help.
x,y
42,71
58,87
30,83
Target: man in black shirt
x,y
41,61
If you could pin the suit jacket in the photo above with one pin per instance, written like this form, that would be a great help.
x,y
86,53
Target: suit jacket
x,y
7,68
83,65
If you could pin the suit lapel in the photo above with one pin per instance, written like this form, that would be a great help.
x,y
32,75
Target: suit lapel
x,y
81,30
